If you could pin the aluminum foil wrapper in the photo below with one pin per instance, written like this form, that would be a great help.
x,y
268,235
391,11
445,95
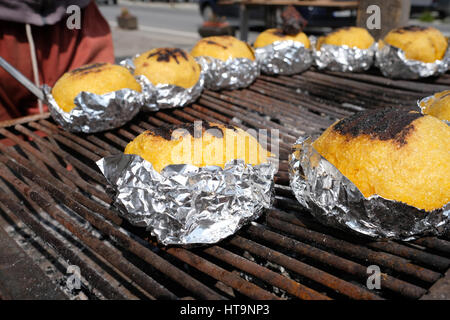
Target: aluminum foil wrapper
x,y
228,75
95,113
185,204
165,96
335,201
393,64
284,57
343,58
422,105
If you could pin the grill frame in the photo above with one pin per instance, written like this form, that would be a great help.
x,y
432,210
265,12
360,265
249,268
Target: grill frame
x,y
54,171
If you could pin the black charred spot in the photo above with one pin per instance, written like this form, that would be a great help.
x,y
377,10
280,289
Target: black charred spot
x,y
165,54
167,131
216,44
95,67
382,124
410,29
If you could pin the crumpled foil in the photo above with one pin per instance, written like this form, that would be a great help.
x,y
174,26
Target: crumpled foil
x,y
228,75
165,96
185,204
335,201
425,101
342,58
393,64
95,113
284,57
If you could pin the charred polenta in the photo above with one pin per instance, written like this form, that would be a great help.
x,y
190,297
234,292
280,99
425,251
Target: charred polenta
x,y
271,35
399,155
425,44
98,78
348,36
168,66
223,48
209,144
438,106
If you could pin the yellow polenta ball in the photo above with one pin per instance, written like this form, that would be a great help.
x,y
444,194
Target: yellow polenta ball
x,y
210,144
168,66
222,48
399,155
438,106
348,36
425,44
98,78
271,35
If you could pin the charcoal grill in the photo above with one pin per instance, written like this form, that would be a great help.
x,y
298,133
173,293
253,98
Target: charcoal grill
x,y
54,208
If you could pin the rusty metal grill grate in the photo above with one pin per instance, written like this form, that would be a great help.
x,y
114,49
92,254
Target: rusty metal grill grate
x,y
49,184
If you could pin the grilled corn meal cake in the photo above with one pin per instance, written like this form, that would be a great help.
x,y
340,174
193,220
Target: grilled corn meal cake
x,y
399,155
168,66
223,48
98,78
438,106
210,144
348,36
425,44
271,35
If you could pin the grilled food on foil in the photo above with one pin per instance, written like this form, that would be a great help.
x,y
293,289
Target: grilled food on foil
x,y
168,66
426,44
349,49
413,52
399,155
169,77
272,35
227,63
280,53
223,48
352,37
191,184
97,78
94,98
382,173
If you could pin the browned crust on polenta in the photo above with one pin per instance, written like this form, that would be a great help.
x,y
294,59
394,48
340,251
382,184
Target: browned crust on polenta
x,y
166,54
216,44
382,124
95,67
410,29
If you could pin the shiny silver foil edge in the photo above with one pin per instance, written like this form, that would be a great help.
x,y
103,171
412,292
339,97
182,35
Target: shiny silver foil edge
x,y
185,204
342,58
335,201
284,57
393,64
228,75
165,96
424,101
95,113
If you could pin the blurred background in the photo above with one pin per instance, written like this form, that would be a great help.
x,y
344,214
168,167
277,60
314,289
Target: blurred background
x,y
176,23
